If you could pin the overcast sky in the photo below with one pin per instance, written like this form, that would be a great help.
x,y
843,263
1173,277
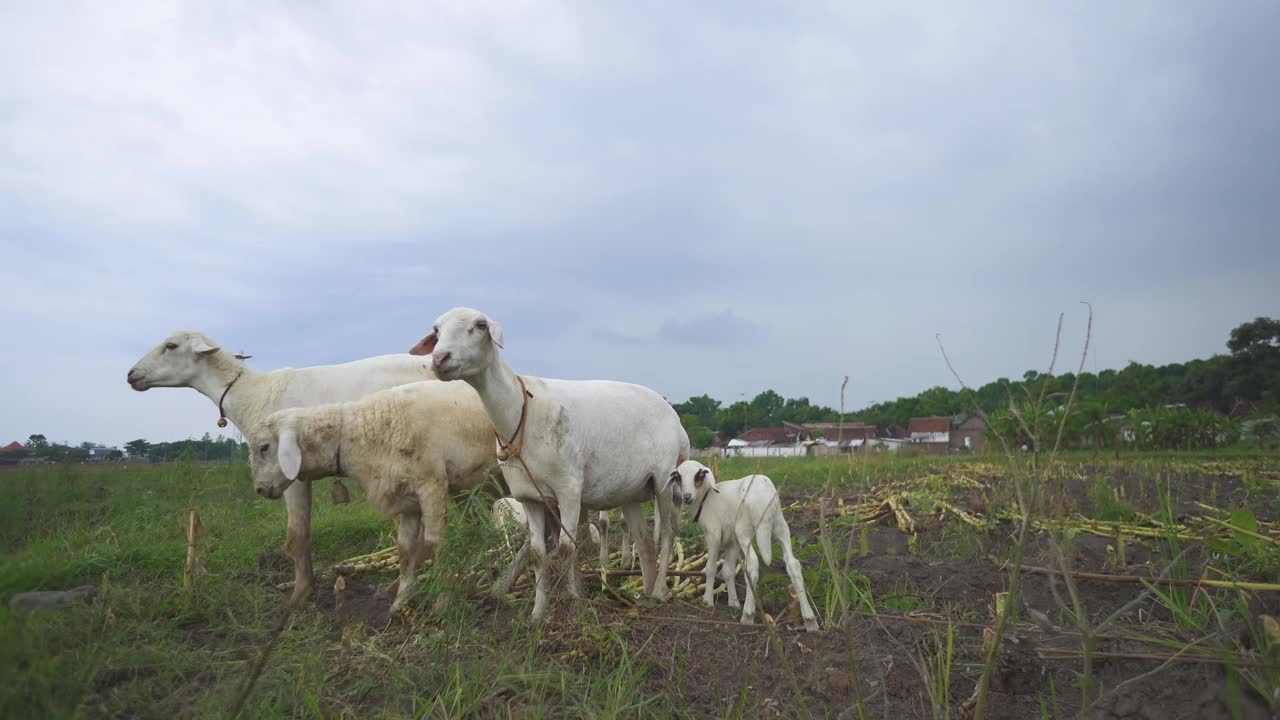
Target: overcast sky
x,y
697,197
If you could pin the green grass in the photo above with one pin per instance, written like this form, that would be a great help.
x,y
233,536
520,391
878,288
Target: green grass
x,y
151,650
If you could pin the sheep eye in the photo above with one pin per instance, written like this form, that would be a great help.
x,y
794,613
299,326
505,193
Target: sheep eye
x,y
482,326
264,448
170,346
697,479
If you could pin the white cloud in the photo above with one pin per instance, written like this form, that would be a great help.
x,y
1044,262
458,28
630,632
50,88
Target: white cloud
x,y
314,182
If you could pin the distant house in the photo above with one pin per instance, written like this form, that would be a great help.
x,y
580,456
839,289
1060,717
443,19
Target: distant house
x,y
1245,408
829,438
933,433
968,432
12,447
849,430
785,441
100,453
929,429
895,431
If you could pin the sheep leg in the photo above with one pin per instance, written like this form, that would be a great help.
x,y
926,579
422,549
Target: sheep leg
x,y
729,572
604,539
753,578
713,552
628,559
663,526
297,544
409,542
567,551
634,513
536,514
783,535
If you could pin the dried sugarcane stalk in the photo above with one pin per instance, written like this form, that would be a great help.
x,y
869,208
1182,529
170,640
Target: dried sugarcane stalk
x,y
193,565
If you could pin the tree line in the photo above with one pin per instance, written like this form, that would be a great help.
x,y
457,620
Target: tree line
x,y
1248,373
207,448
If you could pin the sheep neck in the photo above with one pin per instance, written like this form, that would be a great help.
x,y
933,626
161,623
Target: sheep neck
x,y
321,436
500,394
215,380
697,515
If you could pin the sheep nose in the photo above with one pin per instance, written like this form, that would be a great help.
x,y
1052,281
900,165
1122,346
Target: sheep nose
x,y
262,491
132,373
441,357
688,497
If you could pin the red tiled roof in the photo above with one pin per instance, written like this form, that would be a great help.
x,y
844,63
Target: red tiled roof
x,y
929,425
782,435
856,432
14,446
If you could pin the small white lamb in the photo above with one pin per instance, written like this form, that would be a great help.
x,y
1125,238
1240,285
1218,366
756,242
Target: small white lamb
x,y
733,513
409,447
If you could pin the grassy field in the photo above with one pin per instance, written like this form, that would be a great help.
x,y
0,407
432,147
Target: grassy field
x,y
900,556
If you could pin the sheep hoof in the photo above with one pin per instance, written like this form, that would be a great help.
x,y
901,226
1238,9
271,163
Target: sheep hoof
x,y
301,594
811,625
747,620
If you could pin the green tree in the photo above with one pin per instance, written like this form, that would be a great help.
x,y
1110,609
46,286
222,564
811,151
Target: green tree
x,y
35,442
704,407
733,420
138,448
767,407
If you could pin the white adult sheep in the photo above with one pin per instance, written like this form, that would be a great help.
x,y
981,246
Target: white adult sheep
x,y
587,444
409,447
733,513
247,397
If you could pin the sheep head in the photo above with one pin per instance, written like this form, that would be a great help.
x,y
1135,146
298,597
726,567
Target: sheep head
x,y
176,362
695,481
463,342
275,454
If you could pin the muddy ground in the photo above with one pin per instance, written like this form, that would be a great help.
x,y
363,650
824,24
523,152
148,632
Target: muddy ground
x,y
876,664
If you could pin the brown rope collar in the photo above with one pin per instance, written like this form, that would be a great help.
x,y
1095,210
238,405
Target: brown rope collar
x,y
222,416
514,446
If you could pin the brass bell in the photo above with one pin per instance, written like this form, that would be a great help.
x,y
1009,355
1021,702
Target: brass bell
x,y
503,455
222,422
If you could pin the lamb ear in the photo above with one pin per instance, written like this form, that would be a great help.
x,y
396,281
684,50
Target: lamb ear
x,y
201,347
495,332
715,489
238,356
426,345
289,455
675,475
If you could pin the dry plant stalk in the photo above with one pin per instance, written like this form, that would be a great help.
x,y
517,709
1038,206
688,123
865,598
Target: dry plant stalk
x,y
1029,498
193,565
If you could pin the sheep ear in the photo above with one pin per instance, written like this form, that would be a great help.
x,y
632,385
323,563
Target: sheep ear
x,y
238,356
495,332
715,489
426,345
289,455
201,347
675,475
